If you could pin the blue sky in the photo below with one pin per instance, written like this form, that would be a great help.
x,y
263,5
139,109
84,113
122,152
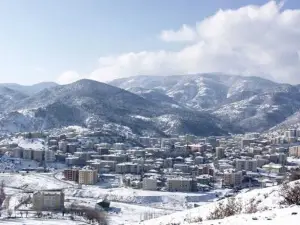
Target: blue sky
x,y
41,40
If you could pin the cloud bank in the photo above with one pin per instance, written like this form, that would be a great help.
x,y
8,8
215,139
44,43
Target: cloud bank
x,y
252,40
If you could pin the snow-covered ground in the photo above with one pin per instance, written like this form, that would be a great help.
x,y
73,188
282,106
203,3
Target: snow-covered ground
x,y
128,205
31,221
267,201
35,143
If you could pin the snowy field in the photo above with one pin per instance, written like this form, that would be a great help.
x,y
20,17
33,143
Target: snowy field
x,y
128,205
267,201
28,221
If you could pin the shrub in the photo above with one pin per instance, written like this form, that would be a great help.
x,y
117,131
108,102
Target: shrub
x,y
290,194
252,206
222,210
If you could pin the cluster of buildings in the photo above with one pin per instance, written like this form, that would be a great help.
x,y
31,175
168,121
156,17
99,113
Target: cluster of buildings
x,y
184,163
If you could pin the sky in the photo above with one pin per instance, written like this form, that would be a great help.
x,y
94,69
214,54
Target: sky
x,y
67,40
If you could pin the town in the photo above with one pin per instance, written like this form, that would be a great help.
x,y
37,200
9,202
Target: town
x,y
220,166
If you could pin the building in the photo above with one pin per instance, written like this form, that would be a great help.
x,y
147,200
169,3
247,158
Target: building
x,y
232,178
240,164
220,153
87,175
294,151
150,184
27,154
48,200
71,174
49,156
18,152
251,165
180,184
274,168
38,155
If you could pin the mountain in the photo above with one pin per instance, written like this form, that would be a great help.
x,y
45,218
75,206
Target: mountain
x,y
29,90
93,104
253,103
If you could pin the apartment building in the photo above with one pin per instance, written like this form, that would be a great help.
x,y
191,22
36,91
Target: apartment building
x,y
87,175
27,154
49,156
232,178
38,155
150,184
48,200
18,152
294,151
72,174
180,184
220,153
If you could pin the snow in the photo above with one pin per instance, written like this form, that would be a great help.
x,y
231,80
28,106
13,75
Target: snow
x,y
266,199
31,221
24,143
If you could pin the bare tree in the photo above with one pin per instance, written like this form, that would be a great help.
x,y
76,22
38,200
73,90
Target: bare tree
x,y
225,209
2,193
290,194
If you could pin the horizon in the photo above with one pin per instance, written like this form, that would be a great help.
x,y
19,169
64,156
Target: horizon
x,y
179,75
65,41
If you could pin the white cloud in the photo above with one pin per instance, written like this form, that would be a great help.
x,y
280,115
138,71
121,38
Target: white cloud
x,y
68,77
252,40
185,33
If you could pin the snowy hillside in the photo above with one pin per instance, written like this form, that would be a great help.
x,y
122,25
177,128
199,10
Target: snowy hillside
x,y
253,103
266,200
92,104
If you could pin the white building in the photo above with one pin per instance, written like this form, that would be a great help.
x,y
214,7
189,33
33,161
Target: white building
x,y
49,156
150,184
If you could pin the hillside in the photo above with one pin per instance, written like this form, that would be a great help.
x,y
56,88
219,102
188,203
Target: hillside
x,y
93,104
253,103
267,201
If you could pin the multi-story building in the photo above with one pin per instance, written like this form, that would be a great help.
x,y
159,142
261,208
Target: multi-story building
x,y
38,155
27,154
240,164
18,152
180,184
128,167
232,178
49,156
251,165
72,174
220,153
88,176
294,151
48,200
150,184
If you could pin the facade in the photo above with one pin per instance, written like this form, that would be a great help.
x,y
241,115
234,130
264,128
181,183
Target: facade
x,y
180,184
71,174
220,153
48,200
150,184
18,152
88,176
232,178
49,156
294,151
27,154
38,155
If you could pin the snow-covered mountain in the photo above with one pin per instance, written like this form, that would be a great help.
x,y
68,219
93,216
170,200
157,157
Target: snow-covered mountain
x,y
94,104
29,89
253,103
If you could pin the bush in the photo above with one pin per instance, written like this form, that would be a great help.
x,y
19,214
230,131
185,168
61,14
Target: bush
x,y
290,194
252,206
222,210
89,214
